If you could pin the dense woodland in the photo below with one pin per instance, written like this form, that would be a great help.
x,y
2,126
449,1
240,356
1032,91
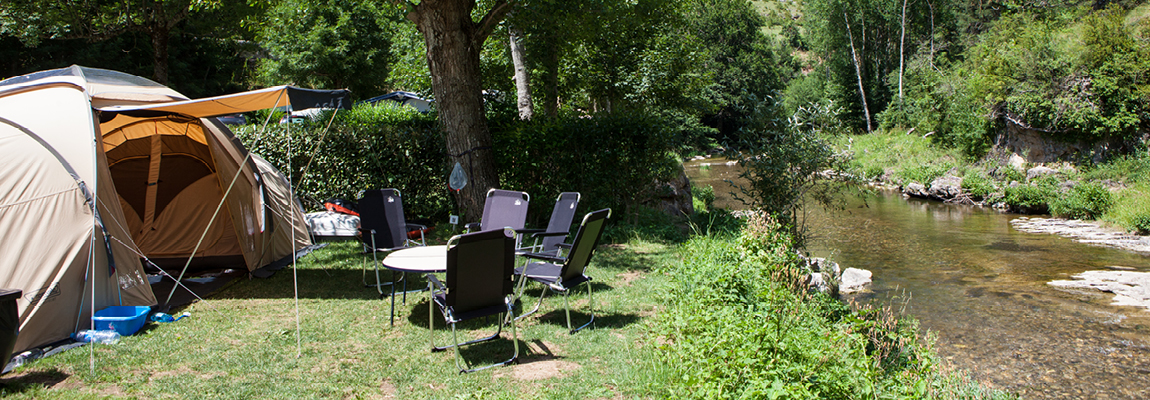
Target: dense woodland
x,y
748,75
958,68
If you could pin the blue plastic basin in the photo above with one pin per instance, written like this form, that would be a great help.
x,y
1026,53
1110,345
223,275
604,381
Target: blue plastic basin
x,y
125,320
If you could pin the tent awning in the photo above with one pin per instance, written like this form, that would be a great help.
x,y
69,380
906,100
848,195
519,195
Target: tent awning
x,y
277,96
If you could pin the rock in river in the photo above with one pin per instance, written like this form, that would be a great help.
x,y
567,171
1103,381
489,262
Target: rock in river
x,y
1130,288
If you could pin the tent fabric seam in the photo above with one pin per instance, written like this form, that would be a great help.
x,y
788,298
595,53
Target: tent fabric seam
x,y
39,198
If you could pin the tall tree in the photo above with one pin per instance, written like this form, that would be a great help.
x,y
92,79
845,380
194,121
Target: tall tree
x,y
35,20
453,42
328,44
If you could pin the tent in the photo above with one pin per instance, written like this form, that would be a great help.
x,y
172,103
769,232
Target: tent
x,y
100,170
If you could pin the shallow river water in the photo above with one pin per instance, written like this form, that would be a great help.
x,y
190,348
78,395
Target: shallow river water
x,y
980,287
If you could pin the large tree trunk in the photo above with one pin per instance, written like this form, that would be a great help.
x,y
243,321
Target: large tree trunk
x,y
453,44
160,54
522,76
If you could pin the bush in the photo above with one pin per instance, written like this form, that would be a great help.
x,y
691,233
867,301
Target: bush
x,y
703,197
368,147
738,324
977,184
924,174
1083,201
613,160
1026,198
1141,223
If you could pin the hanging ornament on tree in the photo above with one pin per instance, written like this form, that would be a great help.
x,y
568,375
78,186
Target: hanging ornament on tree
x,y
458,178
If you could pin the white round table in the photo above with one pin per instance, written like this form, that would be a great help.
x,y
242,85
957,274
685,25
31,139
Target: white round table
x,y
420,260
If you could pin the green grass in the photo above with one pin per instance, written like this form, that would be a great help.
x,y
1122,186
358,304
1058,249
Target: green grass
x,y
713,316
907,157
242,343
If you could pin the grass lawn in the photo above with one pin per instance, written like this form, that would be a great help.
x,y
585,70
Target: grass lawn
x,y
242,343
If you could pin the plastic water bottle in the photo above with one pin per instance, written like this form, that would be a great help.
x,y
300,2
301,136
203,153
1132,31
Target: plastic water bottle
x,y
101,337
164,317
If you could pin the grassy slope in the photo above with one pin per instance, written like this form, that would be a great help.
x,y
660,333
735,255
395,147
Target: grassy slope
x,y
242,344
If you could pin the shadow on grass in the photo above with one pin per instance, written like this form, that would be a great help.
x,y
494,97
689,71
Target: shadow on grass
x,y
18,383
344,284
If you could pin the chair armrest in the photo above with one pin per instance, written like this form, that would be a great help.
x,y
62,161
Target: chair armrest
x,y
528,231
435,281
411,225
547,234
564,245
546,257
471,226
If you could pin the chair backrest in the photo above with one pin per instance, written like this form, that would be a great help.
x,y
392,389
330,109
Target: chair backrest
x,y
479,269
504,208
590,230
561,217
382,210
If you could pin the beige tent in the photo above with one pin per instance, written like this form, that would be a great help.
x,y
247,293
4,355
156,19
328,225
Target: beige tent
x,y
100,168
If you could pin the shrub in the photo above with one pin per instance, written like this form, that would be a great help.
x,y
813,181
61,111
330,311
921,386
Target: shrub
x,y
703,197
1083,201
977,184
368,147
738,324
613,160
1141,223
1026,198
924,174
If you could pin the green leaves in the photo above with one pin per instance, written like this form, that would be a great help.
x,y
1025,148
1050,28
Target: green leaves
x,y
329,44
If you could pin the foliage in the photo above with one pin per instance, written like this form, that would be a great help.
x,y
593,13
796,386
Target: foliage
x,y
786,166
1027,198
738,325
1083,201
329,44
940,103
1075,81
924,174
703,198
368,147
614,160
744,65
977,183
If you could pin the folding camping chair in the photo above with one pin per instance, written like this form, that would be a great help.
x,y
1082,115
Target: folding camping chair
x,y
550,241
503,209
562,274
383,229
479,284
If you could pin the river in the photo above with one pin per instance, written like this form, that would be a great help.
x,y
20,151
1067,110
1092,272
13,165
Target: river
x,y
979,287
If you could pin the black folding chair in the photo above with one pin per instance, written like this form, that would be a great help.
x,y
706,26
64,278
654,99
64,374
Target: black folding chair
x,y
551,241
479,284
383,229
562,274
503,209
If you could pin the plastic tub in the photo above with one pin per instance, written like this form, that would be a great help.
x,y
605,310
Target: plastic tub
x,y
125,320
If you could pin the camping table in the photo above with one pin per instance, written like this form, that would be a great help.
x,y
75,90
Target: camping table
x,y
421,260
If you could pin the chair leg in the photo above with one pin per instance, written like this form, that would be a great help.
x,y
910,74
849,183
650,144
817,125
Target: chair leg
x,y
459,363
435,348
590,309
537,304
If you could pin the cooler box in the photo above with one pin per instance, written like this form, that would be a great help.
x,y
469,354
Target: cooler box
x,y
9,322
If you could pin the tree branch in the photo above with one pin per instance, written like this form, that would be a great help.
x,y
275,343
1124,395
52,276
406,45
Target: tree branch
x,y
492,19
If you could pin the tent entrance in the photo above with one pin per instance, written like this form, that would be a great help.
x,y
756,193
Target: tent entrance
x,y
168,187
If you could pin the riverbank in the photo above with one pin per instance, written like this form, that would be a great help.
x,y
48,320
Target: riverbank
x,y
1115,193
